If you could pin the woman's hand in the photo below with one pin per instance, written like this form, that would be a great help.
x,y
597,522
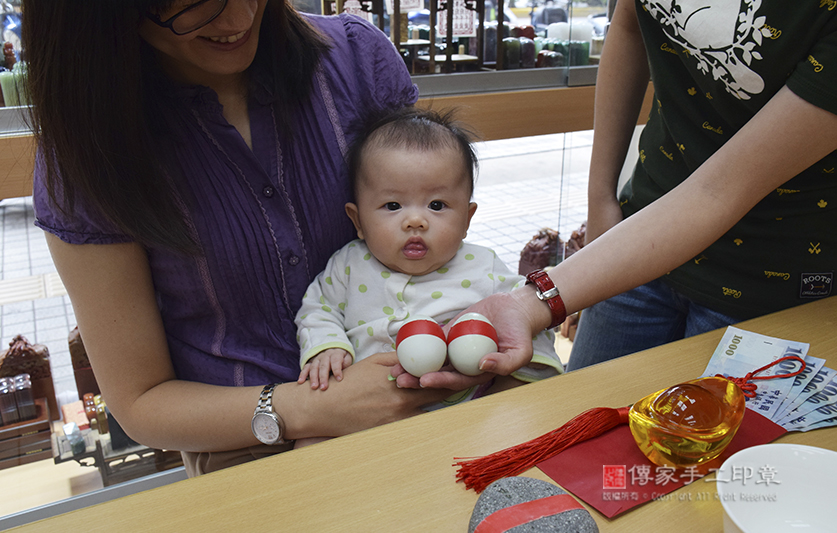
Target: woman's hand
x,y
365,398
517,316
447,378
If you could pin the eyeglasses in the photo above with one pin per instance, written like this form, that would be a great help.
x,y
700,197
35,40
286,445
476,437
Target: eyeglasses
x,y
192,18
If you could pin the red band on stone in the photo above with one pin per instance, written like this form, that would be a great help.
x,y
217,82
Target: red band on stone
x,y
523,513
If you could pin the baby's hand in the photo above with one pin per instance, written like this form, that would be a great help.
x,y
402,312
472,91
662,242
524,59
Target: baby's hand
x,y
319,367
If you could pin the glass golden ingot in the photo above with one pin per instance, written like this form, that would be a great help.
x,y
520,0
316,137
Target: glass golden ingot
x,y
688,424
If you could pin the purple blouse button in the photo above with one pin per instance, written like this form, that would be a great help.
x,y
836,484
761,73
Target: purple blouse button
x,y
293,260
268,191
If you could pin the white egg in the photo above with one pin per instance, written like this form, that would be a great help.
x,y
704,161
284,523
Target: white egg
x,y
421,346
471,337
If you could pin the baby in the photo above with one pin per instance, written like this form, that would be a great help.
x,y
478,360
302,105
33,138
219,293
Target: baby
x,y
413,178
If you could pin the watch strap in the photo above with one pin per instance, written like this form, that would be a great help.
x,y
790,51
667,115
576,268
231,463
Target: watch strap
x,y
265,405
266,398
547,292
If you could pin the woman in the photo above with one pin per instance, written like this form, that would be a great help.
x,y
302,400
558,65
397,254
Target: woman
x,y
191,181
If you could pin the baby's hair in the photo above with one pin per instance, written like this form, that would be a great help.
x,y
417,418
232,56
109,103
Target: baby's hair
x,y
415,129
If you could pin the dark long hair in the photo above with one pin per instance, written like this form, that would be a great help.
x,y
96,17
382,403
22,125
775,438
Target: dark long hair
x,y
97,111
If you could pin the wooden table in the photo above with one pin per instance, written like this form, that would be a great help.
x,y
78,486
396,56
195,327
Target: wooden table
x,y
399,477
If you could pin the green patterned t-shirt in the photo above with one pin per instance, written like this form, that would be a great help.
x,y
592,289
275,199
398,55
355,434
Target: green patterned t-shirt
x,y
714,64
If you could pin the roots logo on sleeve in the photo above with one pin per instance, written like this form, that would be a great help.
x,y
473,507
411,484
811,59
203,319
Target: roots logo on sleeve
x,y
816,285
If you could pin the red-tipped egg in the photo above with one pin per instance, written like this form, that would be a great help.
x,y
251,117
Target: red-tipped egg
x,y
470,338
420,346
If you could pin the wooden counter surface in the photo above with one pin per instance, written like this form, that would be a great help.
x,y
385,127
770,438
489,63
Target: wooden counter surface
x,y
399,477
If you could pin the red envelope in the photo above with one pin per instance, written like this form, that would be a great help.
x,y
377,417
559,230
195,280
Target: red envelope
x,y
609,472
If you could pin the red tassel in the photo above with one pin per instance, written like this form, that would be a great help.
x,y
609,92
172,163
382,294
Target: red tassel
x,y
478,473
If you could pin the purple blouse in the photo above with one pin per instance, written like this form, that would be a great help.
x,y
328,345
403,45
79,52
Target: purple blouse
x,y
267,220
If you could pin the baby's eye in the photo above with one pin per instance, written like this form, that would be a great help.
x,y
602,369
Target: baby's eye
x,y
437,205
393,206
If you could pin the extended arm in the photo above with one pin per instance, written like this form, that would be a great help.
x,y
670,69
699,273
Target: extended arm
x,y
113,298
785,137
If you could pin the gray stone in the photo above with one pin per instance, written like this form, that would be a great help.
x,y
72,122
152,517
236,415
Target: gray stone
x,y
515,490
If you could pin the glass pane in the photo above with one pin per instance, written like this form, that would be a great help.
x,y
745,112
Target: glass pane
x,y
528,35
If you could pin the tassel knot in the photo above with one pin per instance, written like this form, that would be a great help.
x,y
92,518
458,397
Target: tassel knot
x,y
478,473
749,389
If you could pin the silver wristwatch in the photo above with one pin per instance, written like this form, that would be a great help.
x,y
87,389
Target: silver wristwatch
x,y
267,426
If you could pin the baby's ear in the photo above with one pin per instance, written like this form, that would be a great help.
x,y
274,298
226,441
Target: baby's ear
x,y
352,212
472,208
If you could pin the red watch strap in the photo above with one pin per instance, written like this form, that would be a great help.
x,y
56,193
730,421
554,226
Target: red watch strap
x,y
556,304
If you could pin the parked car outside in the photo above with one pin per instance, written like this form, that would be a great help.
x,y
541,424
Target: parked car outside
x,y
546,15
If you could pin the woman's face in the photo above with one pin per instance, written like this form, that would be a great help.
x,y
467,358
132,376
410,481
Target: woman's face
x,y
222,49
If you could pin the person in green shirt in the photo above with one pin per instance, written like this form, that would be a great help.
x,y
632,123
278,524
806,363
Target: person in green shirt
x,y
731,209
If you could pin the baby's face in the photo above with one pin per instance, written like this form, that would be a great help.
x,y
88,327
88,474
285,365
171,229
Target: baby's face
x,y
413,208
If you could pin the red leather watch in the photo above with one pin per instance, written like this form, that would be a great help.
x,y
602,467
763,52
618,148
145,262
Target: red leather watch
x,y
547,292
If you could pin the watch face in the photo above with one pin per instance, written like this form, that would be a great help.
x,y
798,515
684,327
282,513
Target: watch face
x,y
266,428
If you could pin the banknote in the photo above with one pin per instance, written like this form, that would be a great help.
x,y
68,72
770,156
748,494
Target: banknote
x,y
822,379
812,366
822,397
805,402
741,352
812,418
827,423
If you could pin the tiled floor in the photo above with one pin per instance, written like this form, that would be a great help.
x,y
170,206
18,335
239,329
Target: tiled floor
x,y
524,185
33,302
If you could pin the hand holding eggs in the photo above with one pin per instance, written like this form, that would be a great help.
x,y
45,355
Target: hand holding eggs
x,y
421,345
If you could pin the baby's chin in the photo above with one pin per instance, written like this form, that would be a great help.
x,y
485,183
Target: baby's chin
x,y
415,270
